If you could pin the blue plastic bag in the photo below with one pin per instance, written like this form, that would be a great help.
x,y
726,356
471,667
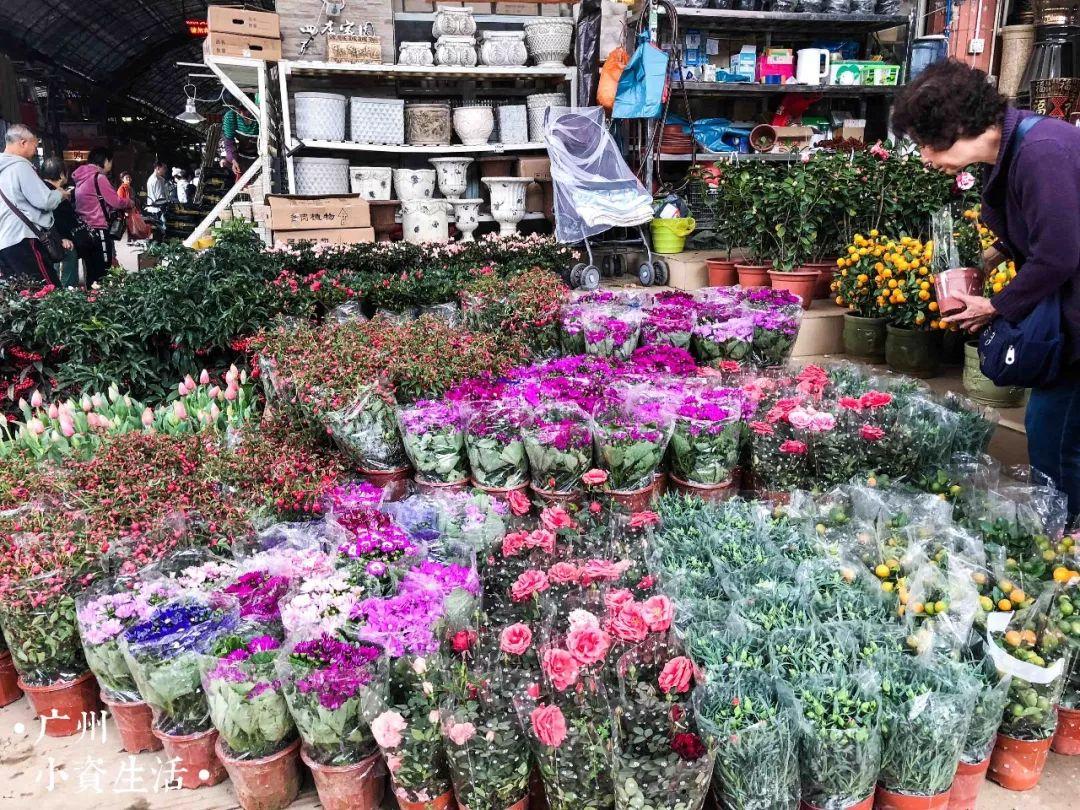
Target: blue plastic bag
x,y
643,83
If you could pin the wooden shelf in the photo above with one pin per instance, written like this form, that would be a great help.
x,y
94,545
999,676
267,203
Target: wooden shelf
x,y
784,22
328,69
406,149
755,89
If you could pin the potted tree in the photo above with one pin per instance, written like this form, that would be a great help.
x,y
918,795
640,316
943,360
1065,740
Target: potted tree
x,y
859,285
792,204
837,177
907,297
751,218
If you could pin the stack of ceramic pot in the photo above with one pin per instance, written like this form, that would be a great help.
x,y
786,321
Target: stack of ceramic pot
x,y
454,30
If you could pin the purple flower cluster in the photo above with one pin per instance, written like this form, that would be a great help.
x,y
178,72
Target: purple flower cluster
x,y
767,297
431,416
605,327
332,669
258,593
353,496
403,623
376,545
239,665
500,423
442,577
771,320
563,434
662,359
740,328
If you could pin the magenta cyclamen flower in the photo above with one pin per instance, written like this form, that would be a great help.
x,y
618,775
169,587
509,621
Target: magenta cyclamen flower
x,y
332,669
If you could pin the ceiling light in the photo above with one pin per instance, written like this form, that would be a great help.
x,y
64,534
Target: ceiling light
x,y
190,115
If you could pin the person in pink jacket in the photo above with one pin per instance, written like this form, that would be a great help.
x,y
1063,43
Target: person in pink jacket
x,y
95,200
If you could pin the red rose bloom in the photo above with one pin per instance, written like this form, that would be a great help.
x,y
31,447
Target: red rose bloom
x,y
688,746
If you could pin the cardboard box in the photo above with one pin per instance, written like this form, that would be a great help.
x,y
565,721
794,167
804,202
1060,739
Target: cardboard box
x,y
480,8
534,198
553,9
797,137
327,236
226,20
521,9
302,213
261,48
538,168
419,6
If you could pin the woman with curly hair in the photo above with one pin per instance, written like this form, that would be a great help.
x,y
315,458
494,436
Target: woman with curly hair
x,y
1031,200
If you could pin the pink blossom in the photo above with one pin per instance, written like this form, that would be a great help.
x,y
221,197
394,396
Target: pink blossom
x,y
561,667
588,645
555,517
515,639
387,729
676,675
564,573
594,478
871,433
658,612
204,377
518,502
580,619
527,584
461,733
35,399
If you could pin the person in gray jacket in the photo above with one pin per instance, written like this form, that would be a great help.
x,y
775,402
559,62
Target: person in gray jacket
x,y
21,255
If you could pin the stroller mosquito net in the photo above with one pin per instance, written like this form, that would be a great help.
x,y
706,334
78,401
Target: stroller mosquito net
x,y
594,188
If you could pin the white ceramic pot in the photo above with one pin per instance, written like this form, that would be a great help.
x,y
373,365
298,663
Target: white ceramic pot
x,y
414,184
507,201
474,125
370,182
548,40
321,175
455,51
452,173
513,123
320,116
416,54
537,105
503,48
451,21
467,214
425,221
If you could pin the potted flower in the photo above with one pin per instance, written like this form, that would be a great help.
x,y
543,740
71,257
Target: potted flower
x,y
780,456
706,441
745,190
559,446
365,430
496,451
433,433
776,326
257,740
669,324
991,696
630,444
792,205
722,333
331,686
906,296
612,332
858,285
165,655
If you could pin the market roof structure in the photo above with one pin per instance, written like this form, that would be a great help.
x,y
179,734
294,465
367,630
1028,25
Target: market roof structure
x,y
128,48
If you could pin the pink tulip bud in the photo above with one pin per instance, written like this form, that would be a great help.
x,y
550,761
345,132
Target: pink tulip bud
x,y
204,377
67,426
204,418
243,376
35,400
182,390
54,411
98,400
92,420
232,374
35,426
179,411
231,393
189,382
215,411
86,404
214,392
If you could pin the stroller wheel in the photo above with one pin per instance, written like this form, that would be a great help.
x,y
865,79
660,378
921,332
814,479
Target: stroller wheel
x,y
660,269
576,272
618,264
646,275
607,266
590,278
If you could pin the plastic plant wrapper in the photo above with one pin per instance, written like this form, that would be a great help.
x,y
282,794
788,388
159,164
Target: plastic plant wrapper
x,y
305,535
377,553
668,325
1035,654
876,643
43,635
991,697
757,754
433,433
243,691
925,712
816,649
559,447
1025,521
840,738
919,443
1065,609
659,758
193,569
975,425
103,615
706,437
1070,693
775,330
366,431
941,608
842,590
717,337
773,605
331,687
165,655
496,450
612,333
630,445
780,456
720,650
572,330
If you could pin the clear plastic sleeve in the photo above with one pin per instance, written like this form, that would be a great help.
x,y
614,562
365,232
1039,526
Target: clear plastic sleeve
x,y
815,649
612,333
366,432
495,448
629,446
43,636
992,694
706,437
433,433
559,447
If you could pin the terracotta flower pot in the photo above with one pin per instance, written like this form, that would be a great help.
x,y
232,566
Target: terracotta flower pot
x,y
349,787
636,500
432,487
9,681
826,272
865,804
966,785
71,700
523,804
889,800
394,483
443,802
554,498
963,280
135,722
753,275
797,282
721,272
1067,738
195,755
707,492
1018,764
500,492
660,483
267,783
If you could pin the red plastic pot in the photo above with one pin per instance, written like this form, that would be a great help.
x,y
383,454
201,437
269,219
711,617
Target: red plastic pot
x,y
964,280
890,800
753,275
826,272
707,492
1018,764
9,681
966,785
802,283
865,804
554,498
267,783
523,804
660,483
432,487
135,722
70,702
1067,738
443,802
500,492
349,787
721,272
197,764
636,500
394,483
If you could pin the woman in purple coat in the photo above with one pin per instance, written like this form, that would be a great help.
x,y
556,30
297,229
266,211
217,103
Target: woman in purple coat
x,y
1031,200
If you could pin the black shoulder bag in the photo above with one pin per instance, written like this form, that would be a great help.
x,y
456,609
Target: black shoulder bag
x,y
115,220
48,237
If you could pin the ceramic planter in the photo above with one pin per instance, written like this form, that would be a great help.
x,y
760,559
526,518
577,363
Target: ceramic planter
x,y
554,498
503,48
452,174
371,182
427,124
68,701
424,221
266,783
962,280
320,116
911,351
721,272
864,338
453,51
320,176
707,492
890,800
416,54
467,216
9,681
981,388
825,271
414,184
507,201
1067,737
536,108
753,275
474,125
548,40
453,21
1018,764
349,787
966,784
197,763
135,723
797,282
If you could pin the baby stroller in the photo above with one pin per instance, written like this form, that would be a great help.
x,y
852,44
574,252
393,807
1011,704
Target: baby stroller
x,y
595,191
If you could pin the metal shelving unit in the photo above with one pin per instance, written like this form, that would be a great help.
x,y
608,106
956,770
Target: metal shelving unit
x,y
734,157
452,149
786,23
752,89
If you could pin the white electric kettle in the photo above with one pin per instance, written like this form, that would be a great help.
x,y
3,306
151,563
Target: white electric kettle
x,y
812,66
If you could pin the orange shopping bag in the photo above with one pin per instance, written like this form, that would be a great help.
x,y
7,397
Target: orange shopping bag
x,y
609,77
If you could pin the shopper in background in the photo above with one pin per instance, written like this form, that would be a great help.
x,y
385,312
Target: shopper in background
x,y
1031,201
66,222
123,191
97,205
157,188
239,138
21,256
